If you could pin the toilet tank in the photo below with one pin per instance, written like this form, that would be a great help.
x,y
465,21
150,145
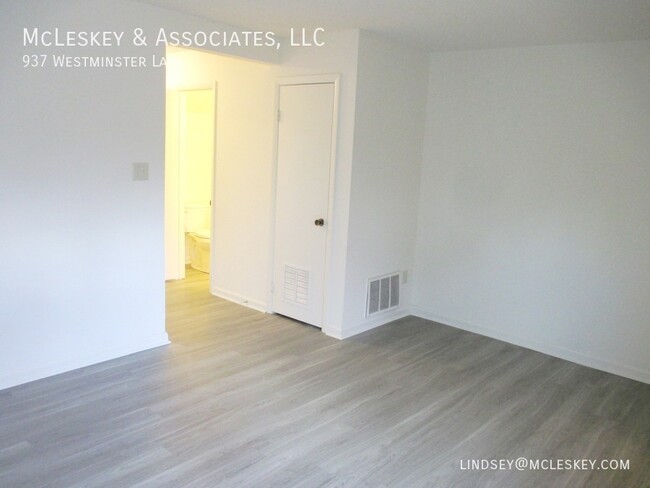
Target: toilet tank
x,y
197,217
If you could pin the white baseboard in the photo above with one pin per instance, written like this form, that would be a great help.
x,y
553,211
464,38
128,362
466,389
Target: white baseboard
x,y
550,349
53,368
239,299
339,333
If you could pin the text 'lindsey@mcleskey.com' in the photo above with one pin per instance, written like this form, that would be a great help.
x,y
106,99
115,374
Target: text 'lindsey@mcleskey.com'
x,y
527,464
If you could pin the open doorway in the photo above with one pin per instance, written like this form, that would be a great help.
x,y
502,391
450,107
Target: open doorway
x,y
189,168
241,210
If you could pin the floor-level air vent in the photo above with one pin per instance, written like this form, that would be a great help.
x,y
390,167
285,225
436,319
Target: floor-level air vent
x,y
296,285
383,294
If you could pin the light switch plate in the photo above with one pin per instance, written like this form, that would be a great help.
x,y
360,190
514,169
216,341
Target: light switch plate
x,y
140,171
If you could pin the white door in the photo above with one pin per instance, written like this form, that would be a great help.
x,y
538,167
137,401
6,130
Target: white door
x,y
305,130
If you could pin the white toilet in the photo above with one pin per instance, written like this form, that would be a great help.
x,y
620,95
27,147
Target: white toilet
x,y
197,236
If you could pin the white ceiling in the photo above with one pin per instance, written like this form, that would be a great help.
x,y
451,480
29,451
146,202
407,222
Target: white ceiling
x,y
440,25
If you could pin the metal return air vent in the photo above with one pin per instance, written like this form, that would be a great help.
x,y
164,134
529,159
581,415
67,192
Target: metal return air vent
x,y
296,285
383,294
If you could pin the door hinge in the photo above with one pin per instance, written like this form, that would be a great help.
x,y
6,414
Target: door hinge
x,y
278,115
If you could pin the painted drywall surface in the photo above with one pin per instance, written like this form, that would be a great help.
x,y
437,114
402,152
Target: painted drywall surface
x,y
83,242
244,155
533,219
82,278
338,55
388,135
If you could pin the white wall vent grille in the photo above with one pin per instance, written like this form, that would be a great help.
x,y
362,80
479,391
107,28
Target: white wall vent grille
x,y
296,285
383,294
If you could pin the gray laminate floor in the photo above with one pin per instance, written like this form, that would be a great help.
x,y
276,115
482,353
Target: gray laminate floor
x,y
246,399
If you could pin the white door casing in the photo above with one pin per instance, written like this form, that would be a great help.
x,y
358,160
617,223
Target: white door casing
x,y
305,148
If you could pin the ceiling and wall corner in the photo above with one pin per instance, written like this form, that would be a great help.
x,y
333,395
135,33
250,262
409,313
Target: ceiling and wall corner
x,y
441,25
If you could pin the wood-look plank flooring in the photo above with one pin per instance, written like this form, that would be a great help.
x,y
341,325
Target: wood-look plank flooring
x,y
245,399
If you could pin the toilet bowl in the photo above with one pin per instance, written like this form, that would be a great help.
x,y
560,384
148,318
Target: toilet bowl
x,y
200,250
197,235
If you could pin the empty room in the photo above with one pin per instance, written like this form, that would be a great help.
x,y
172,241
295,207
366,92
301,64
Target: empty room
x,y
324,244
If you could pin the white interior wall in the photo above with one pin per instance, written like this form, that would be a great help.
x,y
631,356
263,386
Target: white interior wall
x,y
244,154
82,278
533,218
388,134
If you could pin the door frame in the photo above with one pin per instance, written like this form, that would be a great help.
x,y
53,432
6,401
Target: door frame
x,y
303,80
180,176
